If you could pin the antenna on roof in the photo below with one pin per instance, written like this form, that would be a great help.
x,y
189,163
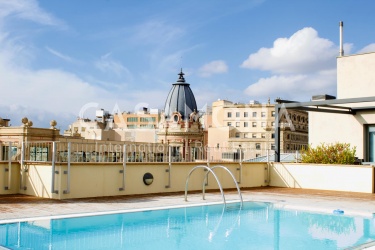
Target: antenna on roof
x,y
341,53
181,62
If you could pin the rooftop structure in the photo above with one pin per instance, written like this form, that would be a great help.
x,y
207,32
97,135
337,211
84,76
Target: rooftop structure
x,y
180,99
180,124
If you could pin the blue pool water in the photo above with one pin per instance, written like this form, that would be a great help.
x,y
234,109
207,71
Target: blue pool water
x,y
255,226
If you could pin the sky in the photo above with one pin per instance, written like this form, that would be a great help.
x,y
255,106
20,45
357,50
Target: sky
x,y
65,59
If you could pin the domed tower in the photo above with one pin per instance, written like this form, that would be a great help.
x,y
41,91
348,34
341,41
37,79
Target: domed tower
x,y
180,127
180,99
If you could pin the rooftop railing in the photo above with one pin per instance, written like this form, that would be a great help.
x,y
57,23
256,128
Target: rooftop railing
x,y
109,152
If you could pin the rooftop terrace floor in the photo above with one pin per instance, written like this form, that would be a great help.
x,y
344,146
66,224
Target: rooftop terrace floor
x,y
21,207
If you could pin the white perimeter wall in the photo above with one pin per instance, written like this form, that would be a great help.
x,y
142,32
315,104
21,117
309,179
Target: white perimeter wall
x,y
96,180
351,178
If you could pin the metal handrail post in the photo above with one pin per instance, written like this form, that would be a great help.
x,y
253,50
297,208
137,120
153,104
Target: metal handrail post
x,y
22,162
169,167
208,169
297,155
208,156
9,166
240,178
67,191
53,167
122,188
234,179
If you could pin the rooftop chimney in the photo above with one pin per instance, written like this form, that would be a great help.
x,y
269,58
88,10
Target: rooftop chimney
x,y
341,45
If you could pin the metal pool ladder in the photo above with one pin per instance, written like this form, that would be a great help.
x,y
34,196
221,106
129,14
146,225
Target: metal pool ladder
x,y
210,170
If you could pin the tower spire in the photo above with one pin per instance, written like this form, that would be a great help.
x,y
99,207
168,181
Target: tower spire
x,y
181,76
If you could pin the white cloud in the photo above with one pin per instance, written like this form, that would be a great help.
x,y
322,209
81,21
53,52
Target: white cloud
x,y
214,67
111,66
302,65
156,32
50,90
367,49
298,87
60,55
47,93
303,52
43,94
28,10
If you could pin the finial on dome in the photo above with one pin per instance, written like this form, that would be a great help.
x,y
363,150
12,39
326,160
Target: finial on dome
x,y
181,78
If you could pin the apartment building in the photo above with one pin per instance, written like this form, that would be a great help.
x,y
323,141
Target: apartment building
x,y
251,127
140,126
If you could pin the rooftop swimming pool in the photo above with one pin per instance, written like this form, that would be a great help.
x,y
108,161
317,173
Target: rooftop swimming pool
x,y
254,225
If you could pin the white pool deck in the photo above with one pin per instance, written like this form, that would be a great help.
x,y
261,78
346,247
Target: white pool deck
x,y
20,207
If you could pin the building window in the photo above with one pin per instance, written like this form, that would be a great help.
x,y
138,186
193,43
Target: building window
x,y
257,155
132,119
132,126
273,114
245,135
263,124
246,124
237,135
254,124
38,153
229,124
272,146
370,143
263,114
6,149
83,129
237,114
229,114
147,126
263,136
230,155
257,146
237,124
245,114
273,124
254,135
254,114
147,119
273,136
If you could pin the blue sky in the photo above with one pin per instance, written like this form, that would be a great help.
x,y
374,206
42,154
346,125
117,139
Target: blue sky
x,y
64,59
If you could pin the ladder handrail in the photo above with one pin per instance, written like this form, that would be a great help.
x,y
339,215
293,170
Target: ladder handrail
x,y
209,170
234,179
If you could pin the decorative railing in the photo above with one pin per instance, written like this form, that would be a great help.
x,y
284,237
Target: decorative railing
x,y
95,152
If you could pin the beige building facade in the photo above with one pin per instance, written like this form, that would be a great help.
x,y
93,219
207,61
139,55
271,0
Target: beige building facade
x,y
135,127
251,127
355,79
